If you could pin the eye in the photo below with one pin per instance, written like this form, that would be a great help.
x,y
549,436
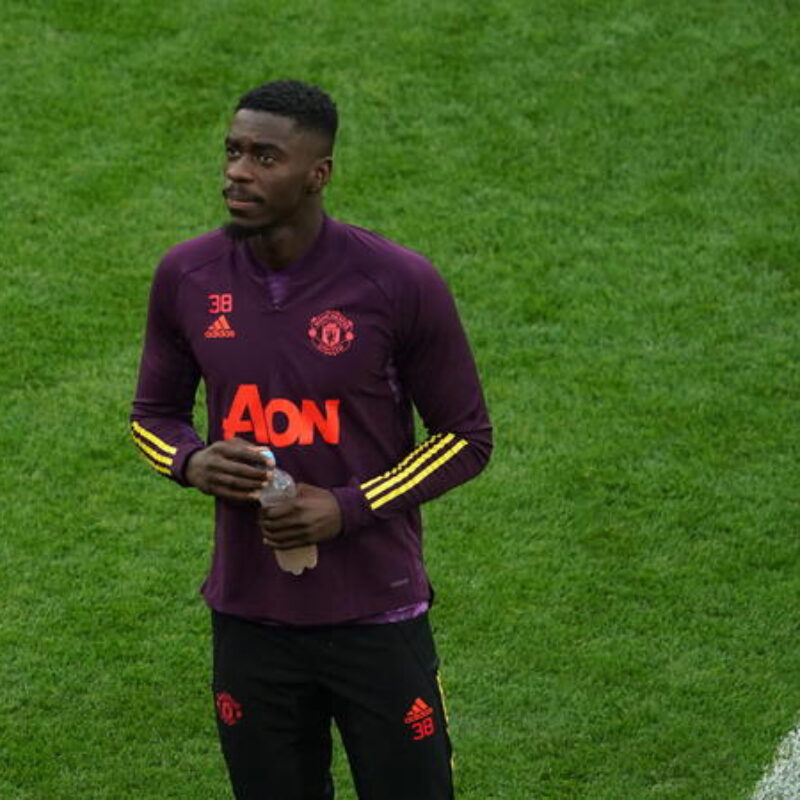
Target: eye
x,y
266,159
231,151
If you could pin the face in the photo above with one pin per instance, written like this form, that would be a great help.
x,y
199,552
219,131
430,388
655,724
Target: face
x,y
274,171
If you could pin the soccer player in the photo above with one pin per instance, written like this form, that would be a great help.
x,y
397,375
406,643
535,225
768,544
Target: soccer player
x,y
316,339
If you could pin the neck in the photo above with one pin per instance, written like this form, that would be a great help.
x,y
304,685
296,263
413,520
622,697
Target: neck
x,y
280,246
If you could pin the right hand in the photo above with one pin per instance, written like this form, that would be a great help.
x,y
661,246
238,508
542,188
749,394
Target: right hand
x,y
232,470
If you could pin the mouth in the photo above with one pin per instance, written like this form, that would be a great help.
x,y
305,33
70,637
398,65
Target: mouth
x,y
237,200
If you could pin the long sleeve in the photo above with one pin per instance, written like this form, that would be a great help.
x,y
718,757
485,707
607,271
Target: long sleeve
x,y
437,370
161,422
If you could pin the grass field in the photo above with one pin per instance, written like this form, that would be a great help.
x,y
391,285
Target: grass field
x,y
611,188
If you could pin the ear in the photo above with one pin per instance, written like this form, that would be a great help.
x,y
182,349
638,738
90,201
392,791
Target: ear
x,y
320,175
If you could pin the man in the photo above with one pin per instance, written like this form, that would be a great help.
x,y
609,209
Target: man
x,y
314,338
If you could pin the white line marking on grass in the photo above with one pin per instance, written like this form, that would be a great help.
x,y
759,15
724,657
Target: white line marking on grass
x,y
782,781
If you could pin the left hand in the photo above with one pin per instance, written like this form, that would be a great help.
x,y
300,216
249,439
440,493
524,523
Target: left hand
x,y
312,516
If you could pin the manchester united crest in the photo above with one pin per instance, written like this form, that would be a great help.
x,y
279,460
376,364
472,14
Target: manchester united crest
x,y
331,332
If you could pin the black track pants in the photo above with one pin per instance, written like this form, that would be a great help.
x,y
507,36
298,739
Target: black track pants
x,y
278,689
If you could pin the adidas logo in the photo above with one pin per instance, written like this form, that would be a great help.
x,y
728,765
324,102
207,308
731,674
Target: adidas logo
x,y
220,329
419,710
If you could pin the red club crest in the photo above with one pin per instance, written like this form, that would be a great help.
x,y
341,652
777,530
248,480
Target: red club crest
x,y
331,332
230,712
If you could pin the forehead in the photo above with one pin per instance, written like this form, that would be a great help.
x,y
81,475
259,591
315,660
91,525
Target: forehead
x,y
263,127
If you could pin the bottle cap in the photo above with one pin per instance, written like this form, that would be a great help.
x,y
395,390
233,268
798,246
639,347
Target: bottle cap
x,y
269,455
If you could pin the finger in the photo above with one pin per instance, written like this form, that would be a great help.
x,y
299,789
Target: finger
x,y
280,530
242,451
225,481
235,496
286,516
286,543
266,456
250,456
258,454
282,511
269,461
238,469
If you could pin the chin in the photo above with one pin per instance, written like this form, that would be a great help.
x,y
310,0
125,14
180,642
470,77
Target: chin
x,y
238,231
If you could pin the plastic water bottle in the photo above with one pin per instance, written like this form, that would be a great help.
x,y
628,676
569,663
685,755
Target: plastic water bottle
x,y
282,487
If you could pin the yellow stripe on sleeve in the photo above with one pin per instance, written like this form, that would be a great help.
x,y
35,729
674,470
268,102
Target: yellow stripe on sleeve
x,y
152,454
154,464
151,437
402,474
410,457
158,461
420,476
157,467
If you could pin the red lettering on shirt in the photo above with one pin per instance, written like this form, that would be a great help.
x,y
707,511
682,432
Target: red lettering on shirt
x,y
282,413
220,303
246,414
280,422
327,425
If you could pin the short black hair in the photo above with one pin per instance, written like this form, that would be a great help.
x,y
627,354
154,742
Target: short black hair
x,y
310,107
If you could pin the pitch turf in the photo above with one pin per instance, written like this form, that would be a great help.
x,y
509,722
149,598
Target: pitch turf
x,y
611,188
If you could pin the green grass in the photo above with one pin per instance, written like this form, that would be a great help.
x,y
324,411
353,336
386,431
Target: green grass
x,y
611,189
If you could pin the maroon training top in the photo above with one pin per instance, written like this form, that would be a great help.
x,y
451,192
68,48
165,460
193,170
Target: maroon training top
x,y
322,361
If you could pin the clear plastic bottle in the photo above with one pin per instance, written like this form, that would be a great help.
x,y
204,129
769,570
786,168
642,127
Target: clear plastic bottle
x,y
282,487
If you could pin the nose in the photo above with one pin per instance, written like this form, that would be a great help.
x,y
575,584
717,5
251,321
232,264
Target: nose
x,y
237,170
